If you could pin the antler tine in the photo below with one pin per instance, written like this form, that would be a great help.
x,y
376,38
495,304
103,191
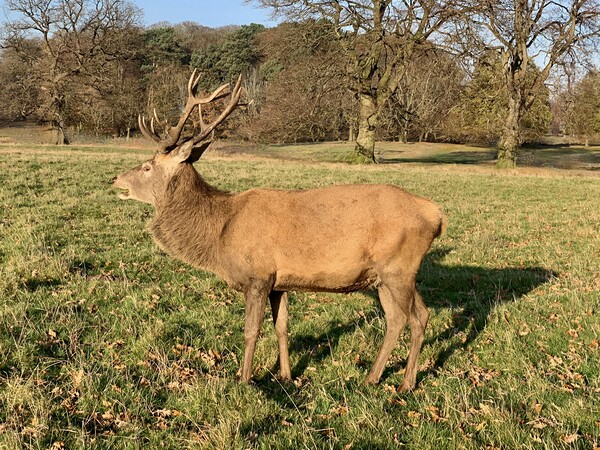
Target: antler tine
x,y
145,131
155,116
216,95
193,83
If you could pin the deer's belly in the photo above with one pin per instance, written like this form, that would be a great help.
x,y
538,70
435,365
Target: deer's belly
x,y
320,281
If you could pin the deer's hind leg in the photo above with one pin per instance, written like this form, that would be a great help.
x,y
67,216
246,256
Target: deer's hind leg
x,y
279,307
419,315
396,301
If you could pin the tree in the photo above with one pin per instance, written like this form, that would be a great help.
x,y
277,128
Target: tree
x,y
20,93
301,94
378,39
162,46
427,94
108,100
223,62
72,34
194,37
484,104
585,118
524,31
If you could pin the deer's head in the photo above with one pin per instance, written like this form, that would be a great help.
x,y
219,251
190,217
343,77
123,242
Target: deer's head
x,y
148,182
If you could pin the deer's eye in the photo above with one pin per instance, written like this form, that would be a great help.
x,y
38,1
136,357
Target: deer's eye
x,y
146,168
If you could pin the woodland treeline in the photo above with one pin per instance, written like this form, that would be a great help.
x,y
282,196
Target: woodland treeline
x,y
91,67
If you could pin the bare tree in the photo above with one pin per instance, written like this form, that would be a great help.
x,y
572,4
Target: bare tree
x,y
302,95
72,34
20,85
429,91
527,32
379,38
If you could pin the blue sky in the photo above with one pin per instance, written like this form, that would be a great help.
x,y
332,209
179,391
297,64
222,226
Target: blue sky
x,y
211,13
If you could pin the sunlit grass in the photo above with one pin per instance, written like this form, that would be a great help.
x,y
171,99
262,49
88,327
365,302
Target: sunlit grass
x,y
107,343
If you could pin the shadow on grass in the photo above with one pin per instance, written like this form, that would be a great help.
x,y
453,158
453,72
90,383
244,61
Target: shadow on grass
x,y
560,157
468,158
471,292
35,284
546,156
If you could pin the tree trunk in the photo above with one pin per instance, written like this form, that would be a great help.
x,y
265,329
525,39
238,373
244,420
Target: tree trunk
x,y
58,123
367,122
510,140
59,133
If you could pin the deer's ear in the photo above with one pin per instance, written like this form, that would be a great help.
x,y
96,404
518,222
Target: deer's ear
x,y
190,153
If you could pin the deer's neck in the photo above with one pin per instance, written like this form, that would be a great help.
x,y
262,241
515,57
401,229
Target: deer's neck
x,y
189,220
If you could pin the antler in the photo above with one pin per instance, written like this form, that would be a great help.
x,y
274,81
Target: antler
x,y
205,129
173,134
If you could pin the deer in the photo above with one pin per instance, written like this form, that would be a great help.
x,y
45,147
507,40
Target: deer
x,y
266,242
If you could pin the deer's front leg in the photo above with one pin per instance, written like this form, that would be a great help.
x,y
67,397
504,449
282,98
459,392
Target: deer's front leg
x,y
256,301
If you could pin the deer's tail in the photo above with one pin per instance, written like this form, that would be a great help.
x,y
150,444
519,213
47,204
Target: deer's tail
x,y
443,222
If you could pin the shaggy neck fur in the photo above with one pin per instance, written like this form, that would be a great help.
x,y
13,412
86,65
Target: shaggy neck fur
x,y
189,218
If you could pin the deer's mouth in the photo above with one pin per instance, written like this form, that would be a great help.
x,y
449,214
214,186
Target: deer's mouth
x,y
118,183
124,195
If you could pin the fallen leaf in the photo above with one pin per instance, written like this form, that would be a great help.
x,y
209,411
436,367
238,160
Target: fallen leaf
x,y
479,375
525,331
538,424
340,410
163,413
555,360
573,333
434,411
569,439
415,415
77,378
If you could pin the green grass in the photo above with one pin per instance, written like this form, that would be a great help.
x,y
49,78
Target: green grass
x,y
107,343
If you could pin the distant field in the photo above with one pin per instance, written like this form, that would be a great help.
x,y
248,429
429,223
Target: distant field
x,y
571,157
107,343
557,154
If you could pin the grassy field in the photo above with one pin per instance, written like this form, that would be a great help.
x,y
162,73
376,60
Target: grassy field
x,y
572,157
107,343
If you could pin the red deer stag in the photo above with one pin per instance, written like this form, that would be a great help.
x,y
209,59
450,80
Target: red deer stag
x,y
265,242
